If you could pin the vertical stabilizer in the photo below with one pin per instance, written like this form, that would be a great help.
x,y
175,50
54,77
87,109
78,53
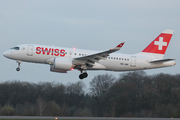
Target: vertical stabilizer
x,y
158,46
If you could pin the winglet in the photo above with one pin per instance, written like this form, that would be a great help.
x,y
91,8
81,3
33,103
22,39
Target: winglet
x,y
119,46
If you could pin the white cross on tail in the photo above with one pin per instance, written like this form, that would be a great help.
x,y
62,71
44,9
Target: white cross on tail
x,y
160,43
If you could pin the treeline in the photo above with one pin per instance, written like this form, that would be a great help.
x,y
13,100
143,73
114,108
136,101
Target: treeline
x,y
133,94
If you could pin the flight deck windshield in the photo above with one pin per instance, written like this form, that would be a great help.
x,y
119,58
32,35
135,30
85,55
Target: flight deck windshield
x,y
15,48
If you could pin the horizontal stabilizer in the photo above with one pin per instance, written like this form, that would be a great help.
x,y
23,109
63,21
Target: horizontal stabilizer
x,y
161,60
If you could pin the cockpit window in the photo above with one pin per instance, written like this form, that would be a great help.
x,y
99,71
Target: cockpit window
x,y
15,48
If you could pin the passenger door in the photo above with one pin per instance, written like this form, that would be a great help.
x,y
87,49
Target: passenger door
x,y
30,50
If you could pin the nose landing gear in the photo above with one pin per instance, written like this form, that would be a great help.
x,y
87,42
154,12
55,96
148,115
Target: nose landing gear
x,y
18,68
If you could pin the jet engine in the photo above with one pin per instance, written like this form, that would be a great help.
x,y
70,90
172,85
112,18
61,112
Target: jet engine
x,y
61,65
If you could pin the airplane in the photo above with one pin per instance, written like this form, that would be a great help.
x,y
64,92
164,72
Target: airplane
x,y
62,59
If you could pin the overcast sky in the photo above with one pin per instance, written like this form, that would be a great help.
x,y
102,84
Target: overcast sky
x,y
85,24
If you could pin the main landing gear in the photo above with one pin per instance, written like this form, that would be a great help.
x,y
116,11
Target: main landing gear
x,y
83,75
18,68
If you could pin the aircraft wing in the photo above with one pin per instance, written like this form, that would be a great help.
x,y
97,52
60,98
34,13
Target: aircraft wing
x,y
161,61
91,59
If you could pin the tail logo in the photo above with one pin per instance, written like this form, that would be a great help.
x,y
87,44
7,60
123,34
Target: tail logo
x,y
160,43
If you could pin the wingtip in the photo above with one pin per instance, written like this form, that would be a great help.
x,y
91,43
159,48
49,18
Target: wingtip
x,y
121,44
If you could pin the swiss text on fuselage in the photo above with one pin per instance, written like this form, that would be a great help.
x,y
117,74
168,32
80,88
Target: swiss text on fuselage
x,y
50,51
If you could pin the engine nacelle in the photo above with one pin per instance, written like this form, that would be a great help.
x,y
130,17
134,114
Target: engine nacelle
x,y
62,64
52,69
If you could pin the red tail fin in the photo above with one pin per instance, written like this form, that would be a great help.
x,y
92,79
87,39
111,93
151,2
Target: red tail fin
x,y
160,44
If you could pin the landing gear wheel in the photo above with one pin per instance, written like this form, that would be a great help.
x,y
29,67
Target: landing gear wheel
x,y
18,69
82,76
85,74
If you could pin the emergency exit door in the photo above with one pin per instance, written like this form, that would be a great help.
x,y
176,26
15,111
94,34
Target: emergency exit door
x,y
133,61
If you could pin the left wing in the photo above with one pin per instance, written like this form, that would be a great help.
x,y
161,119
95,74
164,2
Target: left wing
x,y
89,60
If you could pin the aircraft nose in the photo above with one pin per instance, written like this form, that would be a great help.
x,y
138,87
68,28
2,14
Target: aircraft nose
x,y
7,54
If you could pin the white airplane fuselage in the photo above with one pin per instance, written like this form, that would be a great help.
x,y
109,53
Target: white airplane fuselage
x,y
114,62
63,59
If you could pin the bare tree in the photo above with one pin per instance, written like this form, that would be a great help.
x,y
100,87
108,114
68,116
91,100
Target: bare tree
x,y
7,110
100,84
40,105
75,88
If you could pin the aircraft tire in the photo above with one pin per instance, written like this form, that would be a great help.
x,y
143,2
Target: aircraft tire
x,y
18,69
85,74
81,76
